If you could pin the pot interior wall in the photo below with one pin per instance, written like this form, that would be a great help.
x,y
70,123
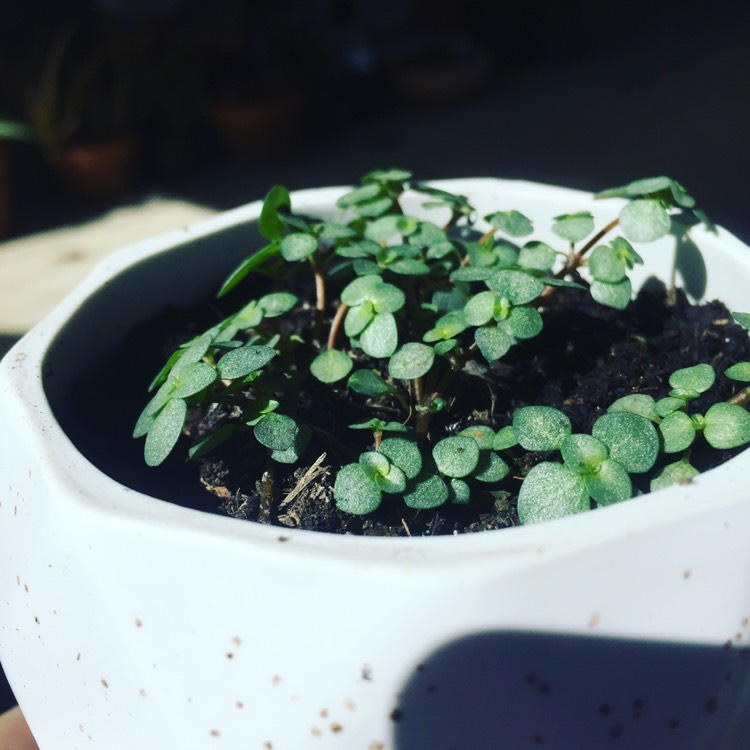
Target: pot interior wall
x,y
108,341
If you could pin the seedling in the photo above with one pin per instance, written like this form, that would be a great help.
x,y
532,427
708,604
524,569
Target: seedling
x,y
399,312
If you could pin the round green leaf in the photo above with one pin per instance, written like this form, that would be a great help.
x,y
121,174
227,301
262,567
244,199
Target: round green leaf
x,y
360,289
632,440
380,338
298,246
698,378
680,472
331,366
742,318
583,454
369,383
605,264
269,223
644,220
611,484
393,482
727,426
740,371
677,432
411,361
387,298
537,255
459,491
669,404
480,309
491,468
472,273
519,287
360,195
358,318
277,303
636,403
513,223
482,433
456,456
551,491
540,428
524,322
165,431
493,343
612,295
429,491
374,463
505,438
238,363
403,453
276,431
193,379
446,327
355,491
574,227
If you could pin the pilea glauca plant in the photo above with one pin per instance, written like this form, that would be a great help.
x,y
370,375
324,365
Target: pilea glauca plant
x,y
390,315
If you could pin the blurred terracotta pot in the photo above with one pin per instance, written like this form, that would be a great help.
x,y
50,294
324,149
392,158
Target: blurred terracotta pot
x,y
100,171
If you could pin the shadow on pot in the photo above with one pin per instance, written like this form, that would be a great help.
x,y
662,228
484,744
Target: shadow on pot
x,y
522,690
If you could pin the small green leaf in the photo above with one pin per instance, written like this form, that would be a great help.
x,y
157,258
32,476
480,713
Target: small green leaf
x,y
277,303
387,298
632,440
519,287
247,266
355,491
697,379
537,256
493,343
456,456
740,371
411,361
269,224
360,290
727,426
540,428
482,433
428,491
742,318
380,338
393,482
369,383
459,491
480,309
212,441
636,403
524,322
612,295
665,406
361,194
680,472
250,316
505,438
513,223
551,491
358,318
583,454
677,432
375,207
606,265
331,366
472,273
165,431
574,227
374,463
610,484
298,246
193,379
276,431
403,453
238,363
446,327
491,468
644,220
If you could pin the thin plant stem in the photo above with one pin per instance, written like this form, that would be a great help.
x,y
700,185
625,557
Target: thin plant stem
x,y
338,319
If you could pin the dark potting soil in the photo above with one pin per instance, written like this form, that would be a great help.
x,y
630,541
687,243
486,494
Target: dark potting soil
x,y
586,357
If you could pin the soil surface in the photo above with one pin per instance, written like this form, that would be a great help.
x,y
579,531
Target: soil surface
x,y
586,357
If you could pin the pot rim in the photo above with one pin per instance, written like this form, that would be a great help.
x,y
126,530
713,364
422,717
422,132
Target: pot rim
x,y
710,492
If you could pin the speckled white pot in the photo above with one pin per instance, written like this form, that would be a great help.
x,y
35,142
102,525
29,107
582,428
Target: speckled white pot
x,y
128,622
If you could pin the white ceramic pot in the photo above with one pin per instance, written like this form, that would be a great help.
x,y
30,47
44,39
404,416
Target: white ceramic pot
x,y
130,622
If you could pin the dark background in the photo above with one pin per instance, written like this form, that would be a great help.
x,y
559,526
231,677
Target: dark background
x,y
583,93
